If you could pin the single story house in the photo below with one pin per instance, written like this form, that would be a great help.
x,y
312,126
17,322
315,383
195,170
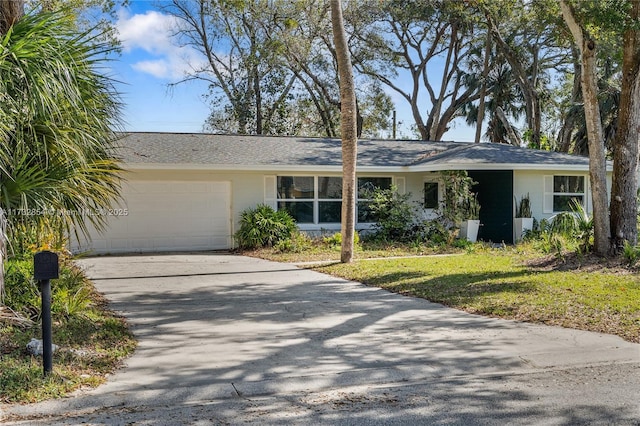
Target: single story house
x,y
187,191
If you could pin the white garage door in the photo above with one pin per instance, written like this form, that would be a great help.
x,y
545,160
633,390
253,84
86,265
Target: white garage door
x,y
168,215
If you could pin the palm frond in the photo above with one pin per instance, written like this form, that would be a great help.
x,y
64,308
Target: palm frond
x,y
58,122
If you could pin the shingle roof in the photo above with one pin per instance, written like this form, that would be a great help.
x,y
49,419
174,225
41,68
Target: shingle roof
x,y
254,152
494,153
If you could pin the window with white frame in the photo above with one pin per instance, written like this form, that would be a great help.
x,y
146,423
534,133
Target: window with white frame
x,y
329,199
561,190
365,186
318,199
296,195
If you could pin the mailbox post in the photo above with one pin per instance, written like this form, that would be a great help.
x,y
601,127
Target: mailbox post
x,y
45,268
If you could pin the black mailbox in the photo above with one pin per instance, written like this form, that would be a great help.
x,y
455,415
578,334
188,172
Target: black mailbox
x,y
45,266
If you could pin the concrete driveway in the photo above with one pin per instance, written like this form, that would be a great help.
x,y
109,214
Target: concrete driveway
x,y
226,339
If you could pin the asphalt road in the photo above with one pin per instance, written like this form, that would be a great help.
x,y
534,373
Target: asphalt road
x,y
225,339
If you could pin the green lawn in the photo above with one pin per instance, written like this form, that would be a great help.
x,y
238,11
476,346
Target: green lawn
x,y
500,284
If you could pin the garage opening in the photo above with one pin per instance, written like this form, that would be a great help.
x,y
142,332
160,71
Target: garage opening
x,y
167,216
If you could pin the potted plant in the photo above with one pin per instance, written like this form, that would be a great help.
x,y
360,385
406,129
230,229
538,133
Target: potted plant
x,y
471,225
523,220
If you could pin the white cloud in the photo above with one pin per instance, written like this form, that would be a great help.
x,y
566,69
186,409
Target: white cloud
x,y
151,32
159,68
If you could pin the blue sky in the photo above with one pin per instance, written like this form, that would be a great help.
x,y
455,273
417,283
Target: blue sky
x,y
151,61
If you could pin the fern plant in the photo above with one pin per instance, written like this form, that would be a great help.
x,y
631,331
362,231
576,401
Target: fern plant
x,y
631,253
584,224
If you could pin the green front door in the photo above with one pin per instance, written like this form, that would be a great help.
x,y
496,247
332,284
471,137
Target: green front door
x,y
495,195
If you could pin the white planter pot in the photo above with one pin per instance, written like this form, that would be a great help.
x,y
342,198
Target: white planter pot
x,y
520,225
469,230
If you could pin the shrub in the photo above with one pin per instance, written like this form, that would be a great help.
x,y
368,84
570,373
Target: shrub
x,y
264,227
25,238
550,243
335,240
435,232
459,202
394,215
631,253
21,291
462,243
564,223
70,293
298,243
574,225
584,226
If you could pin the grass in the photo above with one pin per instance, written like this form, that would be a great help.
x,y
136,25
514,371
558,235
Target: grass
x,y
320,251
506,284
93,340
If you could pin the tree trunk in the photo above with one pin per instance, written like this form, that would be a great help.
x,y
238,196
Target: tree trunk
x,y
258,95
10,12
565,134
436,110
511,134
348,129
422,128
597,162
483,89
527,85
625,148
3,252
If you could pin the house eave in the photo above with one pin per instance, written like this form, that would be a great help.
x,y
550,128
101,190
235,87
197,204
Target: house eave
x,y
260,168
311,168
505,166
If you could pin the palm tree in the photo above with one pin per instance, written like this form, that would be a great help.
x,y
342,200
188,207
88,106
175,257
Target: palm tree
x,y
348,129
573,135
58,122
505,100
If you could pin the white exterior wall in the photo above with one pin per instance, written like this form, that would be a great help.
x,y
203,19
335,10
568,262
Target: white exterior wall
x,y
524,182
249,188
532,183
415,185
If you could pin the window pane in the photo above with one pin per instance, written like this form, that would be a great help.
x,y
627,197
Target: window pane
x,y
294,187
329,211
431,195
562,203
568,184
301,211
330,187
365,215
368,184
